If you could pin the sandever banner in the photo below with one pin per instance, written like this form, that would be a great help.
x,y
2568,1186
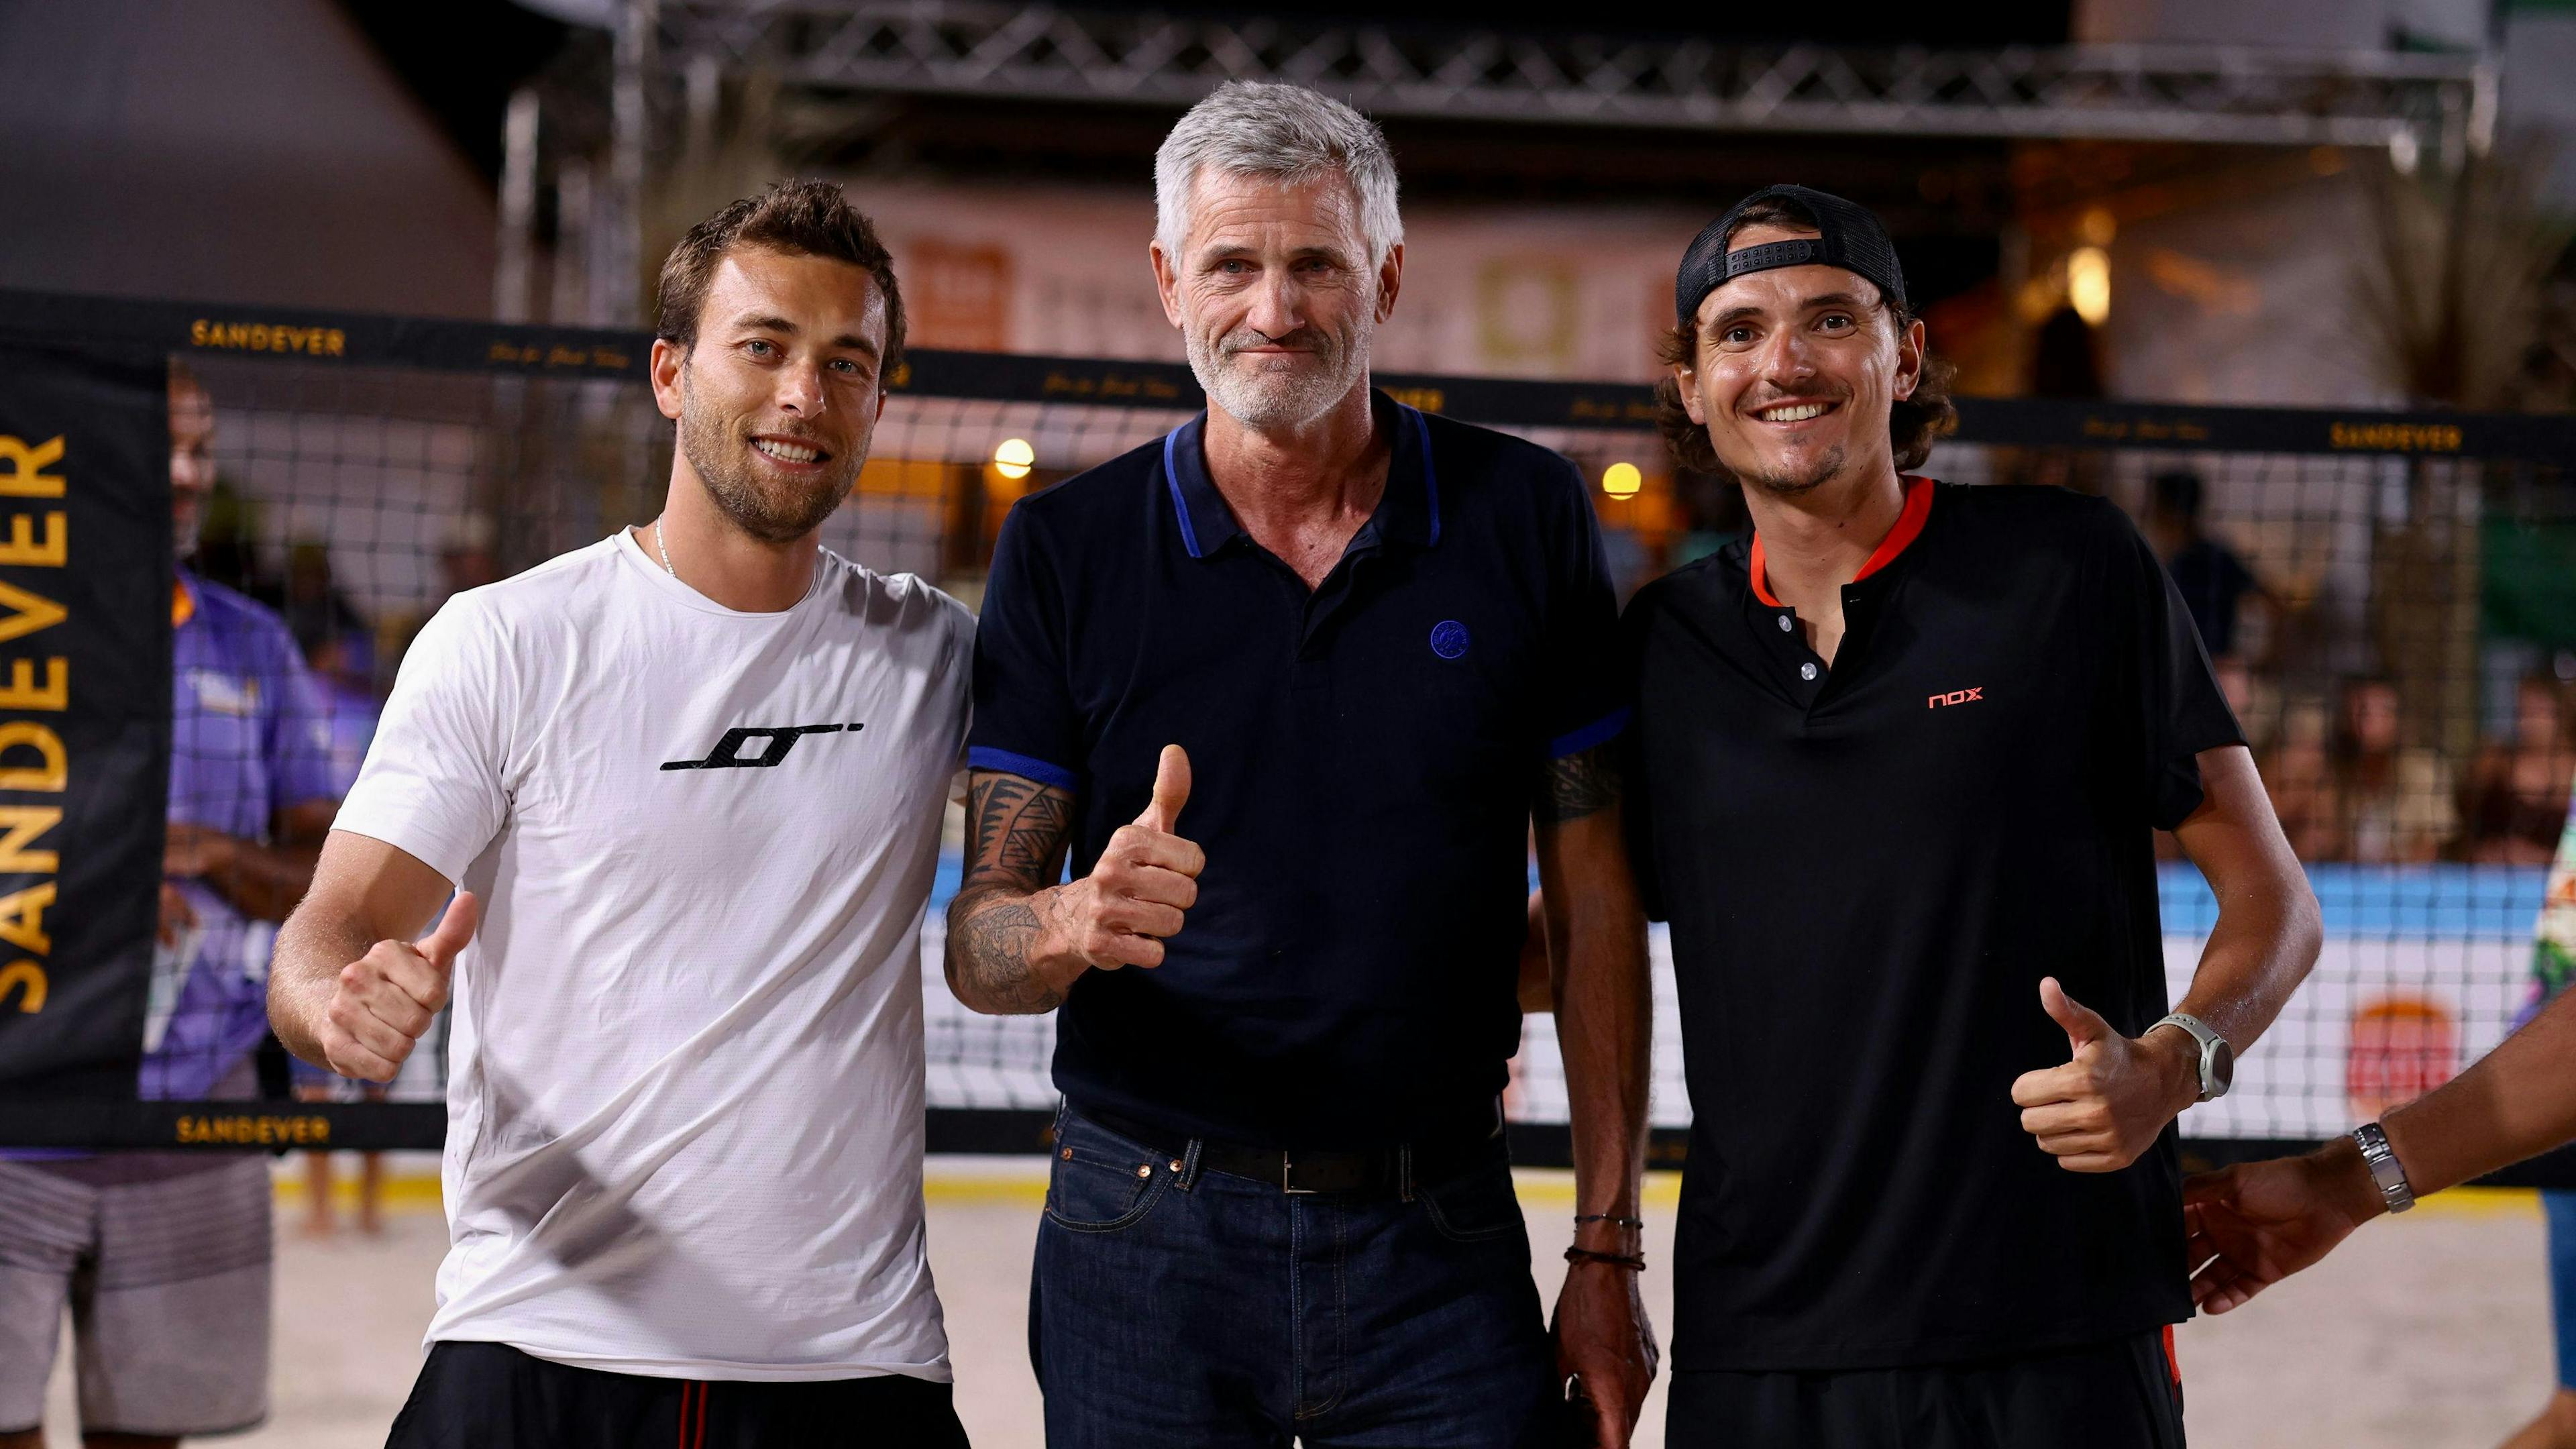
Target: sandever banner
x,y
85,580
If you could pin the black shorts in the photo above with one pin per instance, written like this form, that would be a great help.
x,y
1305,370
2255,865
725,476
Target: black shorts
x,y
2125,1394
492,1396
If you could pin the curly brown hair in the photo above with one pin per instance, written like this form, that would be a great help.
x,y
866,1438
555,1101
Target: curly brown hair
x,y
811,218
1913,423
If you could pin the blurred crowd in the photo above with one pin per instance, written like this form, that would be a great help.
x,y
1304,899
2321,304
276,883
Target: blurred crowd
x,y
2346,778
2349,788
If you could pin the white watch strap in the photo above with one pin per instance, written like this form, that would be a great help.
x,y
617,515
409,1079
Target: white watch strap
x,y
2206,1038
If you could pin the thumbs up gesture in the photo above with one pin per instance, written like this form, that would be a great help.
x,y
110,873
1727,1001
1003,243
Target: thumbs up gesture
x,y
385,1000
2106,1105
1134,898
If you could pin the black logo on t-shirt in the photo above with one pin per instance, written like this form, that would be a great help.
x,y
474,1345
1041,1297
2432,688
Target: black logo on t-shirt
x,y
728,755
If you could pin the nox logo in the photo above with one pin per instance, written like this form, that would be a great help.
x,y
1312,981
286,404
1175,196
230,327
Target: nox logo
x,y
777,741
1956,696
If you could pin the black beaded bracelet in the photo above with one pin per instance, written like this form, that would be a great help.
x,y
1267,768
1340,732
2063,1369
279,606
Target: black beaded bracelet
x,y
1633,1262
1638,1223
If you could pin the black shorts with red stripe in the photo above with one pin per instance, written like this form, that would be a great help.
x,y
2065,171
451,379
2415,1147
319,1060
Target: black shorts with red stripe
x,y
492,1396
2124,1394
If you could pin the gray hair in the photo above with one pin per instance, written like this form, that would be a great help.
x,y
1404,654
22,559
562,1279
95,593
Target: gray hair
x,y
1283,133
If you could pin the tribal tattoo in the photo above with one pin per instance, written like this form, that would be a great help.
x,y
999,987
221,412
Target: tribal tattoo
x,y
1583,783
1022,830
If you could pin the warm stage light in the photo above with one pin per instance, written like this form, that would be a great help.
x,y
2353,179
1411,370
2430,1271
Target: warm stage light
x,y
1014,457
1622,480
2088,284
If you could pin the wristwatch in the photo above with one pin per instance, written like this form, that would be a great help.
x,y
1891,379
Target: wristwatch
x,y
2385,1169
2217,1058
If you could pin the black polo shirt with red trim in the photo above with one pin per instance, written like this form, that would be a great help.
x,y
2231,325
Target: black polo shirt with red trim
x,y
1867,868
1363,757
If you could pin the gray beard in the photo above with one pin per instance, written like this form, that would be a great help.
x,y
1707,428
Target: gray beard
x,y
1264,402
771,518
1789,485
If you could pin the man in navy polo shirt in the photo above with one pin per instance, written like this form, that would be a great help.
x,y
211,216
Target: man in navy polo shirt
x,y
1900,759
1292,684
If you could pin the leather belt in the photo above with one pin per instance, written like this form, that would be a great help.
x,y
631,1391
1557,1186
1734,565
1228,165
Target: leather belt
x,y
1394,1171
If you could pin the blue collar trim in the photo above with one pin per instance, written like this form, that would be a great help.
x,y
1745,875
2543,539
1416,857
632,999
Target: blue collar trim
x,y
1399,516
1180,505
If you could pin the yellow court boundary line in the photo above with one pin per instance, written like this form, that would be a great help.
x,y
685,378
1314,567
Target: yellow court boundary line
x,y
407,1192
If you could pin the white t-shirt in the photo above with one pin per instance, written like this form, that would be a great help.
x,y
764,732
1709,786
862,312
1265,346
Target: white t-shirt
x,y
685,1072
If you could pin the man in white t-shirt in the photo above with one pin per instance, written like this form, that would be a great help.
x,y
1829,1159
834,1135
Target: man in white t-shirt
x,y
689,781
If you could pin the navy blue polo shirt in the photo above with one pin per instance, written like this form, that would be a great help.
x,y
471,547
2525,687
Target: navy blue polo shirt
x,y
1363,759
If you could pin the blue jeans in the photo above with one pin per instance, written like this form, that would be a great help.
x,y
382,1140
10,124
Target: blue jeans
x,y
1173,1306
2560,1206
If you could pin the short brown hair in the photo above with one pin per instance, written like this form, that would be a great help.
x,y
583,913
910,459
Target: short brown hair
x,y
1913,423
806,218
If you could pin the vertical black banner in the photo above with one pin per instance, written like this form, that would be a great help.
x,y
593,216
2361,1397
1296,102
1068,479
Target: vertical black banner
x,y
85,578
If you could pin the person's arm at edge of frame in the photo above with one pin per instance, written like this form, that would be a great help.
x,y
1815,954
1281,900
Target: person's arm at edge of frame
x,y
1596,936
2107,1106
365,895
2256,1223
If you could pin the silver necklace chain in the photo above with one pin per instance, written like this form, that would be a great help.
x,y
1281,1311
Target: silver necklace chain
x,y
664,549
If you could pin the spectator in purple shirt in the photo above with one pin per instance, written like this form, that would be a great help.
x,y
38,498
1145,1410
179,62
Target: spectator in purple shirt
x,y
164,1258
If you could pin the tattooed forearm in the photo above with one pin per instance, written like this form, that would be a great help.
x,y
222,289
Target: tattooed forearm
x,y
1580,784
989,940
1022,830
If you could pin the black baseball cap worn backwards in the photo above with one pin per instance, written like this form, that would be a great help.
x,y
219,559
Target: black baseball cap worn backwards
x,y
1851,239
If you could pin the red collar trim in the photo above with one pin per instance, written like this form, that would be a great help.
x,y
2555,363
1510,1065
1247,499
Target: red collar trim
x,y
1909,524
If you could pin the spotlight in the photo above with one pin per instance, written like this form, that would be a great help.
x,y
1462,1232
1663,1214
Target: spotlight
x,y
2088,284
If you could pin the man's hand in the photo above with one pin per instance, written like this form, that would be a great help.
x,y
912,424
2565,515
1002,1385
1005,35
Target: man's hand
x,y
1135,896
2256,1223
2102,1109
385,1000
177,916
1604,1340
193,852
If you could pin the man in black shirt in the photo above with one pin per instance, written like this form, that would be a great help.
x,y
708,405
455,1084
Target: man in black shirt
x,y
1343,656
1901,756
2211,578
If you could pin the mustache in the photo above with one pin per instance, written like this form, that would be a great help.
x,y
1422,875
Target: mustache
x,y
1311,339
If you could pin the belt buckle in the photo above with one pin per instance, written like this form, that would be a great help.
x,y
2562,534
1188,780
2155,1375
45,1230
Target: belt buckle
x,y
1287,1177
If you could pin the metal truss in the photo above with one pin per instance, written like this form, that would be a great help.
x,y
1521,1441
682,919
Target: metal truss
x,y
2413,104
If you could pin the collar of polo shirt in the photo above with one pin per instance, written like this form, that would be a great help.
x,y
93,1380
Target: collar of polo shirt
x,y
1918,507
1409,513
